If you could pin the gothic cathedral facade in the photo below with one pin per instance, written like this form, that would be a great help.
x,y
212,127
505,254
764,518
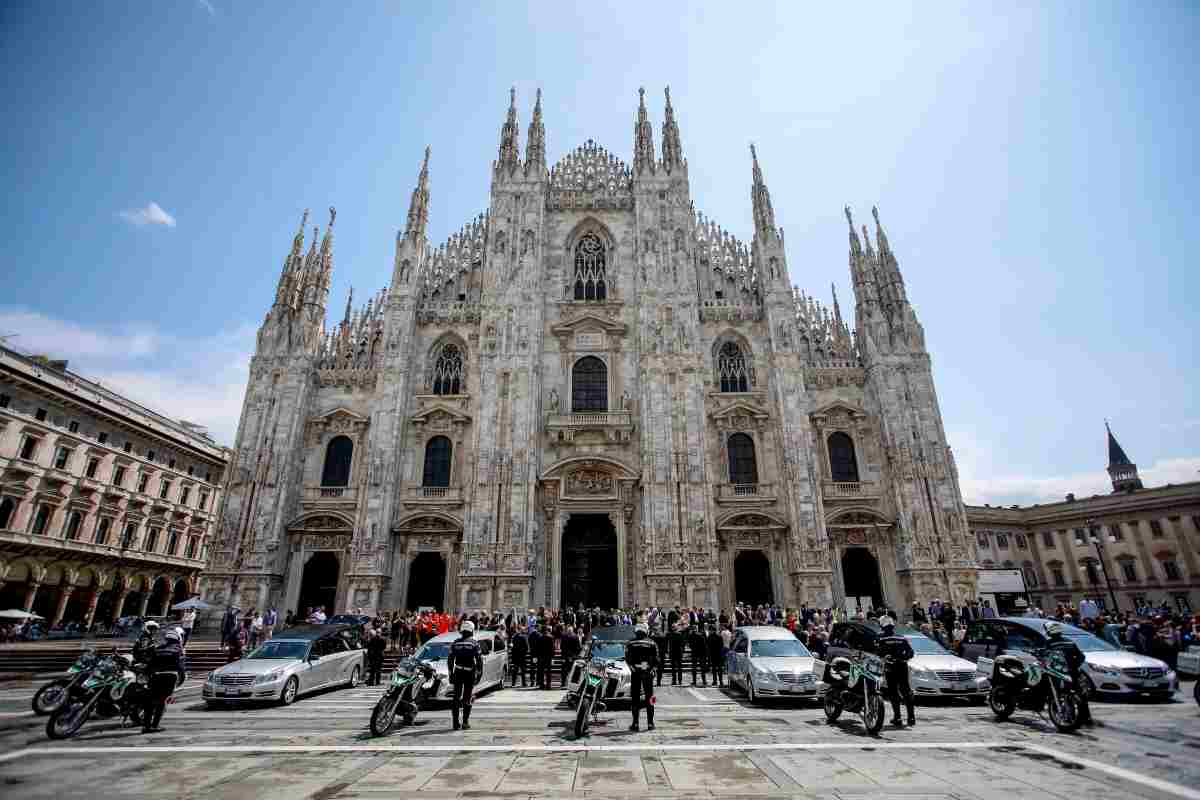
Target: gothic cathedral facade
x,y
590,394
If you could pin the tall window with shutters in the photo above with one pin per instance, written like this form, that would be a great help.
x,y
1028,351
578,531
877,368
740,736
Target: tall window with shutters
x,y
743,466
338,455
437,462
843,465
589,385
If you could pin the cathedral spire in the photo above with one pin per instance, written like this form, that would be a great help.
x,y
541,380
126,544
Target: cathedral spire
x,y
643,138
535,147
510,156
672,149
292,264
855,244
418,208
880,236
349,303
764,215
1121,470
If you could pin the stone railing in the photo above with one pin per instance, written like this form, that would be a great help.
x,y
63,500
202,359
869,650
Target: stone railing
x,y
334,494
853,490
745,493
433,496
617,426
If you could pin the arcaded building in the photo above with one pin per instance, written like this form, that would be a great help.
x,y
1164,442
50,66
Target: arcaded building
x,y
590,393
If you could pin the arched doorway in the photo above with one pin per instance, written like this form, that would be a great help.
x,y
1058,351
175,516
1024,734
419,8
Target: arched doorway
x,y
318,587
589,562
181,592
860,575
158,598
752,578
426,581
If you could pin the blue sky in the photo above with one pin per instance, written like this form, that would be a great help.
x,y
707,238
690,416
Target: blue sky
x,y
1035,166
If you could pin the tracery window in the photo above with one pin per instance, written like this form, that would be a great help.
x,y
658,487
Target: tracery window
x,y
338,455
589,385
448,376
437,462
843,466
590,269
732,372
743,467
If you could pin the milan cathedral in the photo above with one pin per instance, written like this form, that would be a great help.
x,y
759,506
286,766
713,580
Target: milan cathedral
x,y
591,393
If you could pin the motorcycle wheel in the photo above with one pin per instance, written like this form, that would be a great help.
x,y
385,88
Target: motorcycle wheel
x,y
583,717
833,708
51,697
1065,713
65,722
873,714
383,715
1002,703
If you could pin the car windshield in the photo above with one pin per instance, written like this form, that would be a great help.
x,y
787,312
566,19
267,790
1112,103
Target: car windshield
x,y
924,646
344,619
277,649
609,651
1089,643
433,651
775,648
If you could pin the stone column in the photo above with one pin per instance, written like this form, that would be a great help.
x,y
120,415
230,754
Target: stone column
x,y
120,604
30,595
64,595
295,576
145,602
264,588
90,614
374,598
451,595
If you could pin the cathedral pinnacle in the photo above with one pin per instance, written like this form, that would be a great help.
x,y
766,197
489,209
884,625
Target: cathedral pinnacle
x,y
880,236
643,138
855,245
510,155
671,146
764,214
535,147
349,303
418,208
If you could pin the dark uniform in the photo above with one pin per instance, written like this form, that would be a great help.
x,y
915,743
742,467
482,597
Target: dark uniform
x,y
896,668
144,647
660,641
376,646
676,642
167,669
716,656
642,657
543,650
1060,648
465,665
570,651
699,648
517,652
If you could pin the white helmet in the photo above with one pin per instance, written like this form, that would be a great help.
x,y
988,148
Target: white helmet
x,y
172,635
642,627
467,627
150,625
886,621
178,631
1053,629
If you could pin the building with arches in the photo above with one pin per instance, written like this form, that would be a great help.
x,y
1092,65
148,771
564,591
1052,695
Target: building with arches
x,y
590,393
106,507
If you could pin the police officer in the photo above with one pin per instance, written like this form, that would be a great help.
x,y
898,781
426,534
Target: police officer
x,y
676,643
465,665
517,652
167,669
896,652
642,657
660,641
143,648
570,648
544,652
716,655
1069,652
699,647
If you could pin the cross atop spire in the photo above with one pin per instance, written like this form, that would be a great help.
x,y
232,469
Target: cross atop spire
x,y
418,207
672,149
510,155
643,138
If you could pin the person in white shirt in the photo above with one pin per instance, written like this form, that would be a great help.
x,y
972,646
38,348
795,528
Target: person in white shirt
x,y
187,623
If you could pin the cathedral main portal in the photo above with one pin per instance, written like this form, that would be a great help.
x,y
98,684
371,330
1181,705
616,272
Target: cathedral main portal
x,y
589,562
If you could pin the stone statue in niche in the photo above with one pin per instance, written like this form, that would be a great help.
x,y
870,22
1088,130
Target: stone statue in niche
x,y
626,401
553,399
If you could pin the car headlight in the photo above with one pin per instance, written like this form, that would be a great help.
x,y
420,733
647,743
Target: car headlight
x,y
270,677
1108,672
760,672
921,673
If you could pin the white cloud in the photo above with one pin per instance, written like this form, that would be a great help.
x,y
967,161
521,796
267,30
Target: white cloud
x,y
1024,490
207,6
152,214
199,379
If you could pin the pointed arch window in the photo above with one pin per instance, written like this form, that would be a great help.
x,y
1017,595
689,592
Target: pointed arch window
x,y
448,375
338,455
591,279
843,466
732,372
437,462
743,466
589,385
8,507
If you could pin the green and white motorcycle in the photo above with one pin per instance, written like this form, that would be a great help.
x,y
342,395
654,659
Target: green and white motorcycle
x,y
51,697
590,701
412,681
114,687
857,687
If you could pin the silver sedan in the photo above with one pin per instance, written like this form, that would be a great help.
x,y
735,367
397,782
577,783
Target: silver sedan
x,y
286,667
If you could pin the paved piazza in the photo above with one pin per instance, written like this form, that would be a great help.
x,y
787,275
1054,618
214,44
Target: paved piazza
x,y
708,743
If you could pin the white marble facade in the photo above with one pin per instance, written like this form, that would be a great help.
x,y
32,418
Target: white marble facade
x,y
590,392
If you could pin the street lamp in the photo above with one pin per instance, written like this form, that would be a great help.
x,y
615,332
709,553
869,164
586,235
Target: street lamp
x,y
1095,542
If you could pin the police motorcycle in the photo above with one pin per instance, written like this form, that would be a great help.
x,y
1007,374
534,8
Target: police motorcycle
x,y
411,683
51,697
589,703
1033,682
854,686
114,687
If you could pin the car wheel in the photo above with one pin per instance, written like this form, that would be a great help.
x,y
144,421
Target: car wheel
x,y
751,695
355,674
290,690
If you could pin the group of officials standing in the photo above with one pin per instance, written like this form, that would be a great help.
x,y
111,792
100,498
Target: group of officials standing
x,y
705,644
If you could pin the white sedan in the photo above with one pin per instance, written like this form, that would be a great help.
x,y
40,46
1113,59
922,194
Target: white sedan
x,y
936,672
